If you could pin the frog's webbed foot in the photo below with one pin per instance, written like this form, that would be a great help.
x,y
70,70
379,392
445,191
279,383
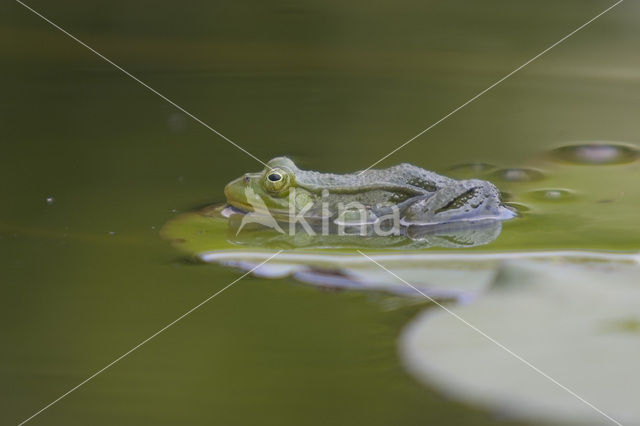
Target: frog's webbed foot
x,y
467,200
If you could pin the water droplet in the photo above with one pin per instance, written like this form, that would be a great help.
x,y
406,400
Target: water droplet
x,y
518,175
596,153
554,194
112,233
50,200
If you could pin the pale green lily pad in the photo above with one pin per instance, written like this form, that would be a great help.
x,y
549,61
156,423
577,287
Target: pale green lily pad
x,y
588,205
578,323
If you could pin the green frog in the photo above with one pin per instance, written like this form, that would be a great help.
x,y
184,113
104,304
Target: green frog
x,y
417,196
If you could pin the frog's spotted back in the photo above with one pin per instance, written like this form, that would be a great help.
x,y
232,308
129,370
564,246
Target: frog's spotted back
x,y
411,178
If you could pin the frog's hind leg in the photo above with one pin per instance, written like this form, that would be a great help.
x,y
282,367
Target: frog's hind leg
x,y
461,201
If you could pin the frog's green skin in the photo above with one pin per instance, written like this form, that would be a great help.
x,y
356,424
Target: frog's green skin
x,y
422,197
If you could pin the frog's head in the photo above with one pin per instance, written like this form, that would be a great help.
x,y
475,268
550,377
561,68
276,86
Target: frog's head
x,y
270,188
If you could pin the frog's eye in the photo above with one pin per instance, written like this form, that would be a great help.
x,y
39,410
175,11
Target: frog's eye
x,y
274,176
276,180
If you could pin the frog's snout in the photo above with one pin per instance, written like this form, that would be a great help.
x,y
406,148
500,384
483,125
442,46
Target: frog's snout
x,y
234,190
230,189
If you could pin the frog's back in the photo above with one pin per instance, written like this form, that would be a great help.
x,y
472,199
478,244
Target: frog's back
x,y
404,174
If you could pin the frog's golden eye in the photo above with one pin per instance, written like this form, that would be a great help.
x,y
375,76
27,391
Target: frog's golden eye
x,y
276,180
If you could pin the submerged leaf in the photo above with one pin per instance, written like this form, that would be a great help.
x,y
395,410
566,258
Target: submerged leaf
x,y
575,322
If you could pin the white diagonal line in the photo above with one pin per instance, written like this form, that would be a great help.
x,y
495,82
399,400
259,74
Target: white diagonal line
x,y
143,83
147,339
495,84
500,345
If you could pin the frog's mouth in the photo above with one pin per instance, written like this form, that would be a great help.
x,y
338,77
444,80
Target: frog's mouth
x,y
244,208
241,207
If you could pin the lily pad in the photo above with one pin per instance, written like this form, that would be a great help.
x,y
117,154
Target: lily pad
x,y
591,205
596,153
578,323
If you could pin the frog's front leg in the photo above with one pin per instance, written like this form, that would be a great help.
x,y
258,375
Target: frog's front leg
x,y
464,200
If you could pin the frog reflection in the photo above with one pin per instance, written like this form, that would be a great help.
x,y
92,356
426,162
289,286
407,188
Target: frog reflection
x,y
463,234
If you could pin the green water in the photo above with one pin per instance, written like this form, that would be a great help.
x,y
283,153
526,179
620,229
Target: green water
x,y
334,85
